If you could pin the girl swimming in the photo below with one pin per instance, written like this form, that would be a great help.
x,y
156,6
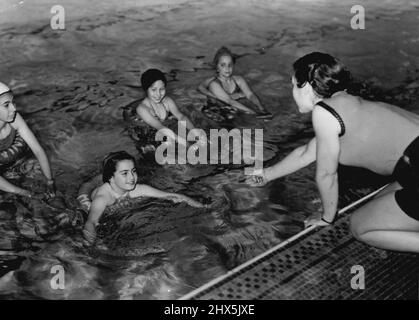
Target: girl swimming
x,y
228,87
156,108
120,179
16,139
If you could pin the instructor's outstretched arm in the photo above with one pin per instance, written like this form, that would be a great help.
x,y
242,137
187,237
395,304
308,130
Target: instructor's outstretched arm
x,y
296,160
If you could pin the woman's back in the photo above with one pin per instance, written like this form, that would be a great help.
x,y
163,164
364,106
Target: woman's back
x,y
376,133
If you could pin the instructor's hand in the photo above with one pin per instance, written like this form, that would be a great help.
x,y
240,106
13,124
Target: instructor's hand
x,y
258,180
317,222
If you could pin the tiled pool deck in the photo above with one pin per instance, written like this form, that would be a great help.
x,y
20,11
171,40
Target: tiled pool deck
x,y
317,265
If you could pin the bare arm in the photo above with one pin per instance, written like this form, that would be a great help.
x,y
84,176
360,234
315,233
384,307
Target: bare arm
x,y
148,118
97,208
296,160
327,153
148,191
176,112
34,145
203,87
9,187
99,203
220,93
248,92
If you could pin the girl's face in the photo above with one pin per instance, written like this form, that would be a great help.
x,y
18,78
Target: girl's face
x,y
225,66
125,175
7,108
303,96
157,91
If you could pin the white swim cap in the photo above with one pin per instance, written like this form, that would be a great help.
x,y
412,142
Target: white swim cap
x,y
3,88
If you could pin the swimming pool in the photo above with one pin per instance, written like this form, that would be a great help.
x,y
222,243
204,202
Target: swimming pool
x,y
72,87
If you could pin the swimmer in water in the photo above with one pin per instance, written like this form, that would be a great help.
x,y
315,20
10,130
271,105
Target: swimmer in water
x,y
16,139
227,87
356,132
120,178
155,109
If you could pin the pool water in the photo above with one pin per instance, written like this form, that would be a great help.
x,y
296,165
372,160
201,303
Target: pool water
x,y
72,86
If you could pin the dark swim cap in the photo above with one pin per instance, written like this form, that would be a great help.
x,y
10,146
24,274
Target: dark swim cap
x,y
151,76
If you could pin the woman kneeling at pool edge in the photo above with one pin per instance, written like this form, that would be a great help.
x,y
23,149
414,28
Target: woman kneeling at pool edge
x,y
356,132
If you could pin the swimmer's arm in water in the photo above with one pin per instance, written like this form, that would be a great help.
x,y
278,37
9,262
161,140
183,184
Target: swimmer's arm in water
x,y
296,160
171,104
148,118
220,93
327,131
147,191
6,186
99,204
249,94
27,135
203,87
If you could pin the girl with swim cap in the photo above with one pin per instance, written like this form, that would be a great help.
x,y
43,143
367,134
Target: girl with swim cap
x,y
15,140
155,109
356,132
228,87
120,179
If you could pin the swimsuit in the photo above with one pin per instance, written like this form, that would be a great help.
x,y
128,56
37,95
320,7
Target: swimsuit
x,y
335,114
236,88
406,173
12,148
144,134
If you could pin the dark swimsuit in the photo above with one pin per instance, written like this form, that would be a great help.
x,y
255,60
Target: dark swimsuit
x,y
335,114
144,134
12,148
406,172
236,88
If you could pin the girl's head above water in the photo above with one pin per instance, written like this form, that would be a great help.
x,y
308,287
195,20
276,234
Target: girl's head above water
x,y
110,163
323,72
4,89
223,51
149,77
7,107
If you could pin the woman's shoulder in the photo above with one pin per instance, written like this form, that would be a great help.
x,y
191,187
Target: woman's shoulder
x,y
145,103
143,107
18,121
167,100
214,82
138,191
238,79
103,193
343,99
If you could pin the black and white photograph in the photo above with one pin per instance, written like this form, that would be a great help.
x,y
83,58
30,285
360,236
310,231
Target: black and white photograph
x,y
228,151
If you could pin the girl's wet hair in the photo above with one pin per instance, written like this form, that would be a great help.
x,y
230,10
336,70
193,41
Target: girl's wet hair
x,y
223,51
325,73
5,89
150,76
110,162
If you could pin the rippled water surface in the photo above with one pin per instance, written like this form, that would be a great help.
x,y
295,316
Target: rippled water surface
x,y
73,87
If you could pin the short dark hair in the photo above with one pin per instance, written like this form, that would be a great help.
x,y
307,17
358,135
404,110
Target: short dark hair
x,y
150,76
325,73
223,51
110,162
